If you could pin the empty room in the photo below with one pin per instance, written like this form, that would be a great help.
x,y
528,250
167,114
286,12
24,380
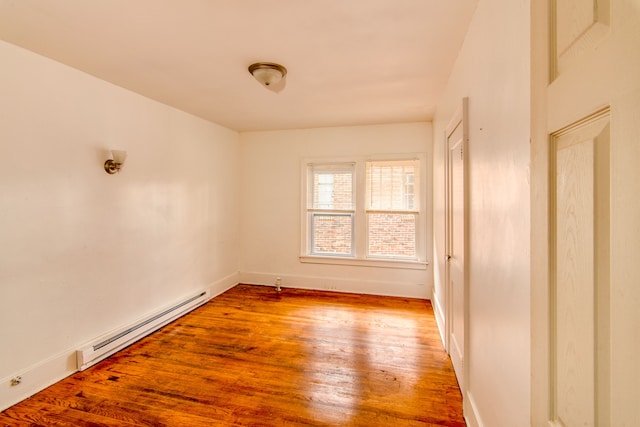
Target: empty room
x,y
319,212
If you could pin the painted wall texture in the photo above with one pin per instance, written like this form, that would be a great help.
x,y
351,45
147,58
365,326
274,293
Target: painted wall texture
x,y
493,71
271,192
83,252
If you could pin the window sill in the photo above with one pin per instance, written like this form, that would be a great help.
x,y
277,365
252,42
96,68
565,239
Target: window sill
x,y
379,263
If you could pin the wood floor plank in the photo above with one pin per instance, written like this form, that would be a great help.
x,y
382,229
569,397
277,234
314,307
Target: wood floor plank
x,y
256,357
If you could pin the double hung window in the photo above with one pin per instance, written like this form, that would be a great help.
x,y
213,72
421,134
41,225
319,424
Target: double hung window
x,y
364,210
392,209
331,209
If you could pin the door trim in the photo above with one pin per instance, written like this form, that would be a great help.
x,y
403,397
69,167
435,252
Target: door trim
x,y
459,118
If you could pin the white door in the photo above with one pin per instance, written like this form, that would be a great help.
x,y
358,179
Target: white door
x,y
585,269
456,246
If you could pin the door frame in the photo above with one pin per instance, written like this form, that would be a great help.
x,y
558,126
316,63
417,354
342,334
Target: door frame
x,y
459,118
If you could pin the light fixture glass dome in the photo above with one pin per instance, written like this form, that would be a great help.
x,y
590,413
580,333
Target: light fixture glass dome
x,y
267,73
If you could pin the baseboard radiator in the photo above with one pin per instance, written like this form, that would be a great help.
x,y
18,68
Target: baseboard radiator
x,y
103,347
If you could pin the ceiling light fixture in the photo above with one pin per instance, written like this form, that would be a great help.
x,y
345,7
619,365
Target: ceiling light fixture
x,y
267,73
113,166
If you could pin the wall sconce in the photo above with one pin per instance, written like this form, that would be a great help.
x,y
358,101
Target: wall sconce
x,y
267,73
113,166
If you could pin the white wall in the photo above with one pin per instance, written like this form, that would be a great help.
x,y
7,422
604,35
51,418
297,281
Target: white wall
x,y
271,192
83,252
493,71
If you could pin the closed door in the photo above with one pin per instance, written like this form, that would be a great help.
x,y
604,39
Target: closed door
x,y
585,213
456,229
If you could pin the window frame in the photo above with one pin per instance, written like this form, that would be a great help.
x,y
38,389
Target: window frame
x,y
360,242
312,210
371,210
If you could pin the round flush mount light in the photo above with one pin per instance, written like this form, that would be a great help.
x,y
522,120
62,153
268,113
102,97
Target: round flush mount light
x,y
114,165
267,73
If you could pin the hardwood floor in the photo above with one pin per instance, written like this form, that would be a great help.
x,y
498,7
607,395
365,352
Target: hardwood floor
x,y
255,357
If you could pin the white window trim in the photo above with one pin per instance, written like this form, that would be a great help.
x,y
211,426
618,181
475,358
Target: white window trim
x,y
360,231
367,262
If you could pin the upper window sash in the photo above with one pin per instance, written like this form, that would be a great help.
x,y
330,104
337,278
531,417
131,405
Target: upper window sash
x,y
331,187
393,185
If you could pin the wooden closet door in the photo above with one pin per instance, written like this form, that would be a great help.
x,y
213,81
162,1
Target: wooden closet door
x,y
585,213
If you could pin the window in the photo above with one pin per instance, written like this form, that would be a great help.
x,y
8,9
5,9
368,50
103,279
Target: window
x,y
331,209
366,211
391,208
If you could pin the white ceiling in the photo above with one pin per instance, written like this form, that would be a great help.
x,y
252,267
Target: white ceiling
x,y
349,61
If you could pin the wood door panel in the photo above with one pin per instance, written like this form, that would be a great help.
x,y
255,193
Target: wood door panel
x,y
580,316
580,26
574,286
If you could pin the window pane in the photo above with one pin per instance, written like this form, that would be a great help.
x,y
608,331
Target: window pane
x,y
331,234
323,194
391,185
332,188
392,235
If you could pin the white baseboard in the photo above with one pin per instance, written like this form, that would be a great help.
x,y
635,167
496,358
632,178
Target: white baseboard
x,y
37,377
471,414
339,284
440,320
221,286
47,372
